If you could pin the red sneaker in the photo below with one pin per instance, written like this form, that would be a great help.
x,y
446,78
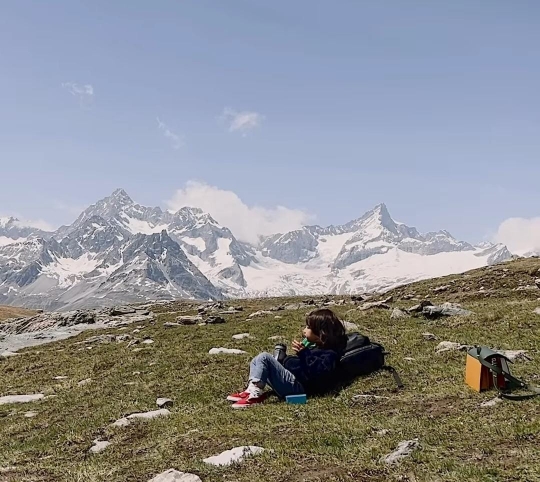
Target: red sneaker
x,y
236,397
250,401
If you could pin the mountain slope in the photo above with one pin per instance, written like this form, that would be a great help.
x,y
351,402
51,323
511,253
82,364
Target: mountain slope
x,y
118,250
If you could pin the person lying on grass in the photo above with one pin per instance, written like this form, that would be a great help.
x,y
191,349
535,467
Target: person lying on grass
x,y
311,371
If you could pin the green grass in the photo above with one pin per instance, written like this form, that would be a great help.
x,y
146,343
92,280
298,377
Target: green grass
x,y
329,439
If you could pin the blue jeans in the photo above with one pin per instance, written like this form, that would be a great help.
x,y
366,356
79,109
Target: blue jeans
x,y
264,368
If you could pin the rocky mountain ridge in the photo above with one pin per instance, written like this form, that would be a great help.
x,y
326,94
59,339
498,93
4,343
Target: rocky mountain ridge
x,y
119,251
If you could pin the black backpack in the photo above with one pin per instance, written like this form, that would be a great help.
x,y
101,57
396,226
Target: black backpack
x,y
362,357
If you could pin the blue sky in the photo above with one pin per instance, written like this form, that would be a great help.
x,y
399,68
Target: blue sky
x,y
324,107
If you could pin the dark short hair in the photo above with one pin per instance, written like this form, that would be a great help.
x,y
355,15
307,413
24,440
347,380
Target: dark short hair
x,y
328,327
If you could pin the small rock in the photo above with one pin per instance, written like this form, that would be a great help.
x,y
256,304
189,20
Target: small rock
x,y
236,454
515,355
121,310
164,402
21,398
446,309
451,346
148,341
30,414
259,313
491,403
408,358
136,330
99,446
350,326
230,351
429,336
7,353
383,432
398,314
537,311
230,311
276,338
136,373
171,324
60,377
123,422
277,317
189,320
241,336
215,320
374,304
84,382
419,307
537,282
173,475
404,449
440,289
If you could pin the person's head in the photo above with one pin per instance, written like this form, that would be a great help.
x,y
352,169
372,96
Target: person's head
x,y
325,329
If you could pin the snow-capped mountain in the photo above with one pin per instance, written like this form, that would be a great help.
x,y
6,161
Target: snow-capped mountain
x,y
119,251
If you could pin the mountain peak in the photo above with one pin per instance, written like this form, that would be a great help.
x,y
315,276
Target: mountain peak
x,y
121,196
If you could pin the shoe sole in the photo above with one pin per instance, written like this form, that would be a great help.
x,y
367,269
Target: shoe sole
x,y
234,399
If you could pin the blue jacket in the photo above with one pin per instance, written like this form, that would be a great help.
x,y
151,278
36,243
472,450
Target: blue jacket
x,y
314,369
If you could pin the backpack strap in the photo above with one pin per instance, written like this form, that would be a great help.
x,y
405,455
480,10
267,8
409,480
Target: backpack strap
x,y
514,382
395,374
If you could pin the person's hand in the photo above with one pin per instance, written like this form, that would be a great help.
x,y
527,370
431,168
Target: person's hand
x,y
297,346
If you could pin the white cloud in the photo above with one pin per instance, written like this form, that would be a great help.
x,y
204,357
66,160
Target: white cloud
x,y
68,208
520,235
176,141
246,222
35,223
241,121
84,93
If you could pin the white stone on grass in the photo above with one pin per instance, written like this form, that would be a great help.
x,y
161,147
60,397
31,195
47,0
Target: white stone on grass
x,y
537,311
240,336
30,414
404,449
491,403
228,351
236,454
21,398
164,402
60,378
7,353
99,446
350,326
451,346
173,475
125,421
148,341
515,355
84,382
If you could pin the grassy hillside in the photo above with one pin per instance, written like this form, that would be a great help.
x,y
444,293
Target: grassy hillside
x,y
329,439
13,312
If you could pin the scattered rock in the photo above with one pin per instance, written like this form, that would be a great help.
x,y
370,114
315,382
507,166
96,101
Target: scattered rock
x,y
404,449
86,381
537,311
171,324
229,351
491,403
451,346
99,446
215,320
173,475
30,414
60,377
374,304
277,317
7,353
259,313
189,320
21,398
241,336
537,282
515,355
526,288
276,338
440,289
398,314
408,358
125,421
407,297
419,307
231,311
429,336
350,326
136,330
148,341
164,402
121,310
236,454
446,309
382,432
